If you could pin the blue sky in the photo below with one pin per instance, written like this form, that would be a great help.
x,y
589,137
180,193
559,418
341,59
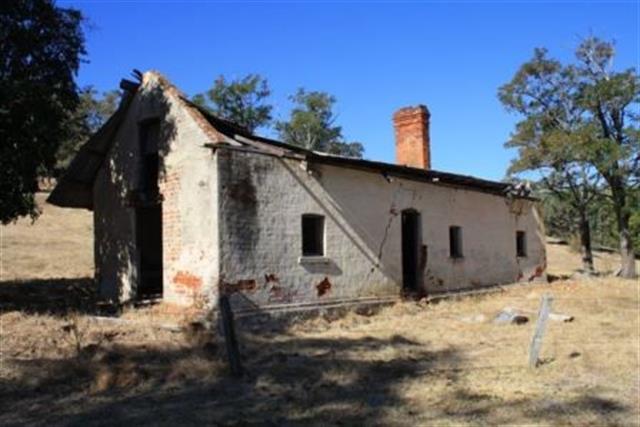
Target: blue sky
x,y
374,57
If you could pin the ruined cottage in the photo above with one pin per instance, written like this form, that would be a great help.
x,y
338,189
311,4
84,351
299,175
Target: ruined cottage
x,y
188,206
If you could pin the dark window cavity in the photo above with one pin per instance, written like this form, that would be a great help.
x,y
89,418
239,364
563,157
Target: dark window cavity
x,y
312,235
455,241
521,243
149,140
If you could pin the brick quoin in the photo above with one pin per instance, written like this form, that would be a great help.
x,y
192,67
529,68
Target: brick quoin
x,y
412,137
171,230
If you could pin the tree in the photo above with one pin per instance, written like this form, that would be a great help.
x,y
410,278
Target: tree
x,y
91,113
611,100
576,186
578,129
240,101
41,46
605,224
559,216
311,125
551,138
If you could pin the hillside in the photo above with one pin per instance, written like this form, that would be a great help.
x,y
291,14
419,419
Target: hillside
x,y
59,244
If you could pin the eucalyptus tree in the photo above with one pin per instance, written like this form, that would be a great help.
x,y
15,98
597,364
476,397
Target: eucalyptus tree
x,y
579,130
312,125
242,101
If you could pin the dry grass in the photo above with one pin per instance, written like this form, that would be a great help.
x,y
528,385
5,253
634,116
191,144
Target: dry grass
x,y
409,364
58,245
444,363
563,261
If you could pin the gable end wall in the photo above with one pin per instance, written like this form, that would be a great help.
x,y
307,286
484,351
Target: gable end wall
x,y
188,186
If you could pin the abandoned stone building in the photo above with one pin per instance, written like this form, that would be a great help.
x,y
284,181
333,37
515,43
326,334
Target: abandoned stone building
x,y
188,206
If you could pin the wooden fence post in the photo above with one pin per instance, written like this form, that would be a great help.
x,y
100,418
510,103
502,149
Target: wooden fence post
x,y
536,341
230,341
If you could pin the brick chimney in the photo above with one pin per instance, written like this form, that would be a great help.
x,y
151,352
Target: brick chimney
x,y
412,137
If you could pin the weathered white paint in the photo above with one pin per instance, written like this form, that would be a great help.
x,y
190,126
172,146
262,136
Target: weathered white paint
x,y
232,222
184,156
262,201
264,197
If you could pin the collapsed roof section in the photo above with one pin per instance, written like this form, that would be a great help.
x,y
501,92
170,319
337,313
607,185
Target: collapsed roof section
x,y
75,188
388,170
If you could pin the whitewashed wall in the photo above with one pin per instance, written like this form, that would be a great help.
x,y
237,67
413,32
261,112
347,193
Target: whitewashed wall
x,y
232,220
263,199
189,188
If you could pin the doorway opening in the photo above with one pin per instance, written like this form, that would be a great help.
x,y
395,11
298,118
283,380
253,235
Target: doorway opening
x,y
149,243
149,212
411,247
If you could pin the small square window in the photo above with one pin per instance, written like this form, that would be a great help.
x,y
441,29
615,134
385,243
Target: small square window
x,y
312,235
521,243
455,241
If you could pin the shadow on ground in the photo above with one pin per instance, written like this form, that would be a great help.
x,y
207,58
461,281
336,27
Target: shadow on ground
x,y
49,296
290,380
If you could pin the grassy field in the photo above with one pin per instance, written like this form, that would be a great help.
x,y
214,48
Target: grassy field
x,y
413,363
58,245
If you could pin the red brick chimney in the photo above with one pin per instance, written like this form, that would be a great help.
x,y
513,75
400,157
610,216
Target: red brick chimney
x,y
412,137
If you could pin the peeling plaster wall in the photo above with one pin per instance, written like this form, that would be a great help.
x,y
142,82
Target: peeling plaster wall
x,y
188,185
489,223
263,198
191,227
232,222
114,245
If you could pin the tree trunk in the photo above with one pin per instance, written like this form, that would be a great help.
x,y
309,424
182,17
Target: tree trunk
x,y
627,255
585,243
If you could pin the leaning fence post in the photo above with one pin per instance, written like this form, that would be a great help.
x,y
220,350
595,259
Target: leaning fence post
x,y
230,336
536,341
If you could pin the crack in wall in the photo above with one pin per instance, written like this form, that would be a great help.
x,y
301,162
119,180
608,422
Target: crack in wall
x,y
393,212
